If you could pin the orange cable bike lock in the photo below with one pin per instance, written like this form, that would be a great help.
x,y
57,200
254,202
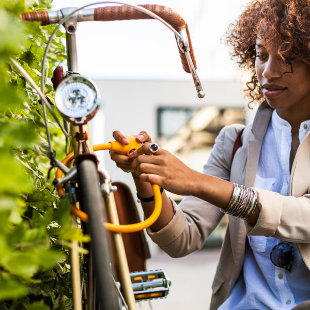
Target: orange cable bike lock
x,y
126,150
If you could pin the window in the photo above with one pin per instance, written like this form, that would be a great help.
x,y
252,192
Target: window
x,y
186,129
171,119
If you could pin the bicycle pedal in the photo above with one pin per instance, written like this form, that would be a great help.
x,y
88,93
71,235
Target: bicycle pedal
x,y
150,284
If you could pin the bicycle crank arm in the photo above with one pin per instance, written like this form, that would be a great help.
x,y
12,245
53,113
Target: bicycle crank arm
x,y
151,284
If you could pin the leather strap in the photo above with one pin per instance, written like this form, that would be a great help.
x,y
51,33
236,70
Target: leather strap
x,y
237,144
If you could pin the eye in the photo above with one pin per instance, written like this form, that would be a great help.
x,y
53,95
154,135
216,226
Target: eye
x,y
261,56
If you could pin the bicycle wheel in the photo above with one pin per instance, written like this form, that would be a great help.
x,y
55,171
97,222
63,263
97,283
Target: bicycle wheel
x,y
92,203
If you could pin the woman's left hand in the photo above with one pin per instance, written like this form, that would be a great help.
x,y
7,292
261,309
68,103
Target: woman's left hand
x,y
164,169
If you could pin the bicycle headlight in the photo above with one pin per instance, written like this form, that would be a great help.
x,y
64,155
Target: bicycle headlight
x,y
77,99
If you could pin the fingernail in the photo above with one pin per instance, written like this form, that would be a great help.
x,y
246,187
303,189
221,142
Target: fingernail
x,y
125,140
131,155
140,138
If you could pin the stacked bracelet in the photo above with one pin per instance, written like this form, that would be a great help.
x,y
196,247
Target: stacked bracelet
x,y
242,203
148,199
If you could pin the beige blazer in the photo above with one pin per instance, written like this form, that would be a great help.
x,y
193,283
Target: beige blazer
x,y
283,217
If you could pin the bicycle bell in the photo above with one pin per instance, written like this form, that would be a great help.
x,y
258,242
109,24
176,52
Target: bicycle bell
x,y
77,99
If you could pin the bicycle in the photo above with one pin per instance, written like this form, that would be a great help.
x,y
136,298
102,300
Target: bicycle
x,y
90,190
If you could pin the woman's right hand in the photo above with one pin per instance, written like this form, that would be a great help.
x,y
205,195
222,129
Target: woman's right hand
x,y
144,189
124,162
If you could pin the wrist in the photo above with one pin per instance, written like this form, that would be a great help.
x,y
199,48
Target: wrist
x,y
148,198
143,188
195,184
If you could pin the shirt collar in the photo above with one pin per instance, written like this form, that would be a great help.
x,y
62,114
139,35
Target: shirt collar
x,y
283,125
280,123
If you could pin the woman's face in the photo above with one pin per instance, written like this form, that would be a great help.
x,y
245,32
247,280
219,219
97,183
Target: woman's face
x,y
286,86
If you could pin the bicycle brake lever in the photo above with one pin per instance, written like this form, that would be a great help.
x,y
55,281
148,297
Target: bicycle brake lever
x,y
184,47
198,86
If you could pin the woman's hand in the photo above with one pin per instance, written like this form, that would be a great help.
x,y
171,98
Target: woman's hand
x,y
164,169
123,161
144,189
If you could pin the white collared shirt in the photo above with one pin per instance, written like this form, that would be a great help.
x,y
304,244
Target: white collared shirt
x,y
262,285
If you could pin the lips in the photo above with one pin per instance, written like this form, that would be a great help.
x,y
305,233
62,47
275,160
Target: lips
x,y
273,90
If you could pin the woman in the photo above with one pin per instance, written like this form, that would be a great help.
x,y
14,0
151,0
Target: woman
x,y
264,187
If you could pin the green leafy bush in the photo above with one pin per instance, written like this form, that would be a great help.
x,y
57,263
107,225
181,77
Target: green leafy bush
x,y
34,225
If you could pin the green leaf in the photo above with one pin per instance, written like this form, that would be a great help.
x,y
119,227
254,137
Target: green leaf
x,y
23,264
49,259
31,255
10,288
38,306
40,199
11,98
11,33
4,248
5,228
65,303
14,174
10,203
17,133
15,217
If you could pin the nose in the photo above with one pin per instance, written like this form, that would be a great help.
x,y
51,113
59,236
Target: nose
x,y
273,68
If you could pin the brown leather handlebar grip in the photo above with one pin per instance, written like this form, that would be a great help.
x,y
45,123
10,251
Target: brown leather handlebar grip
x,y
127,13
36,16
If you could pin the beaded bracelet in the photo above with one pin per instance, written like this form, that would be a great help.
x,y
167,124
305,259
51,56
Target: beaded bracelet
x,y
243,202
148,199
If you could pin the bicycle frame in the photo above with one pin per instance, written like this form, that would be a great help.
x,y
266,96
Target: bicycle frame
x,y
80,133
81,144
75,263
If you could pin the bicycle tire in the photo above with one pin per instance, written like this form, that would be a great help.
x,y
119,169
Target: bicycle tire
x,y
91,201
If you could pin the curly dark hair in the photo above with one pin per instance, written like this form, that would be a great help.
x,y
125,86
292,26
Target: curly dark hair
x,y
283,24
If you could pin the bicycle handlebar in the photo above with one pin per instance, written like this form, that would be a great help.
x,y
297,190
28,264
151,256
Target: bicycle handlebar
x,y
112,13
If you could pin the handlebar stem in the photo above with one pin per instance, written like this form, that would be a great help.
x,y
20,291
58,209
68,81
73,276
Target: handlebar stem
x,y
70,26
